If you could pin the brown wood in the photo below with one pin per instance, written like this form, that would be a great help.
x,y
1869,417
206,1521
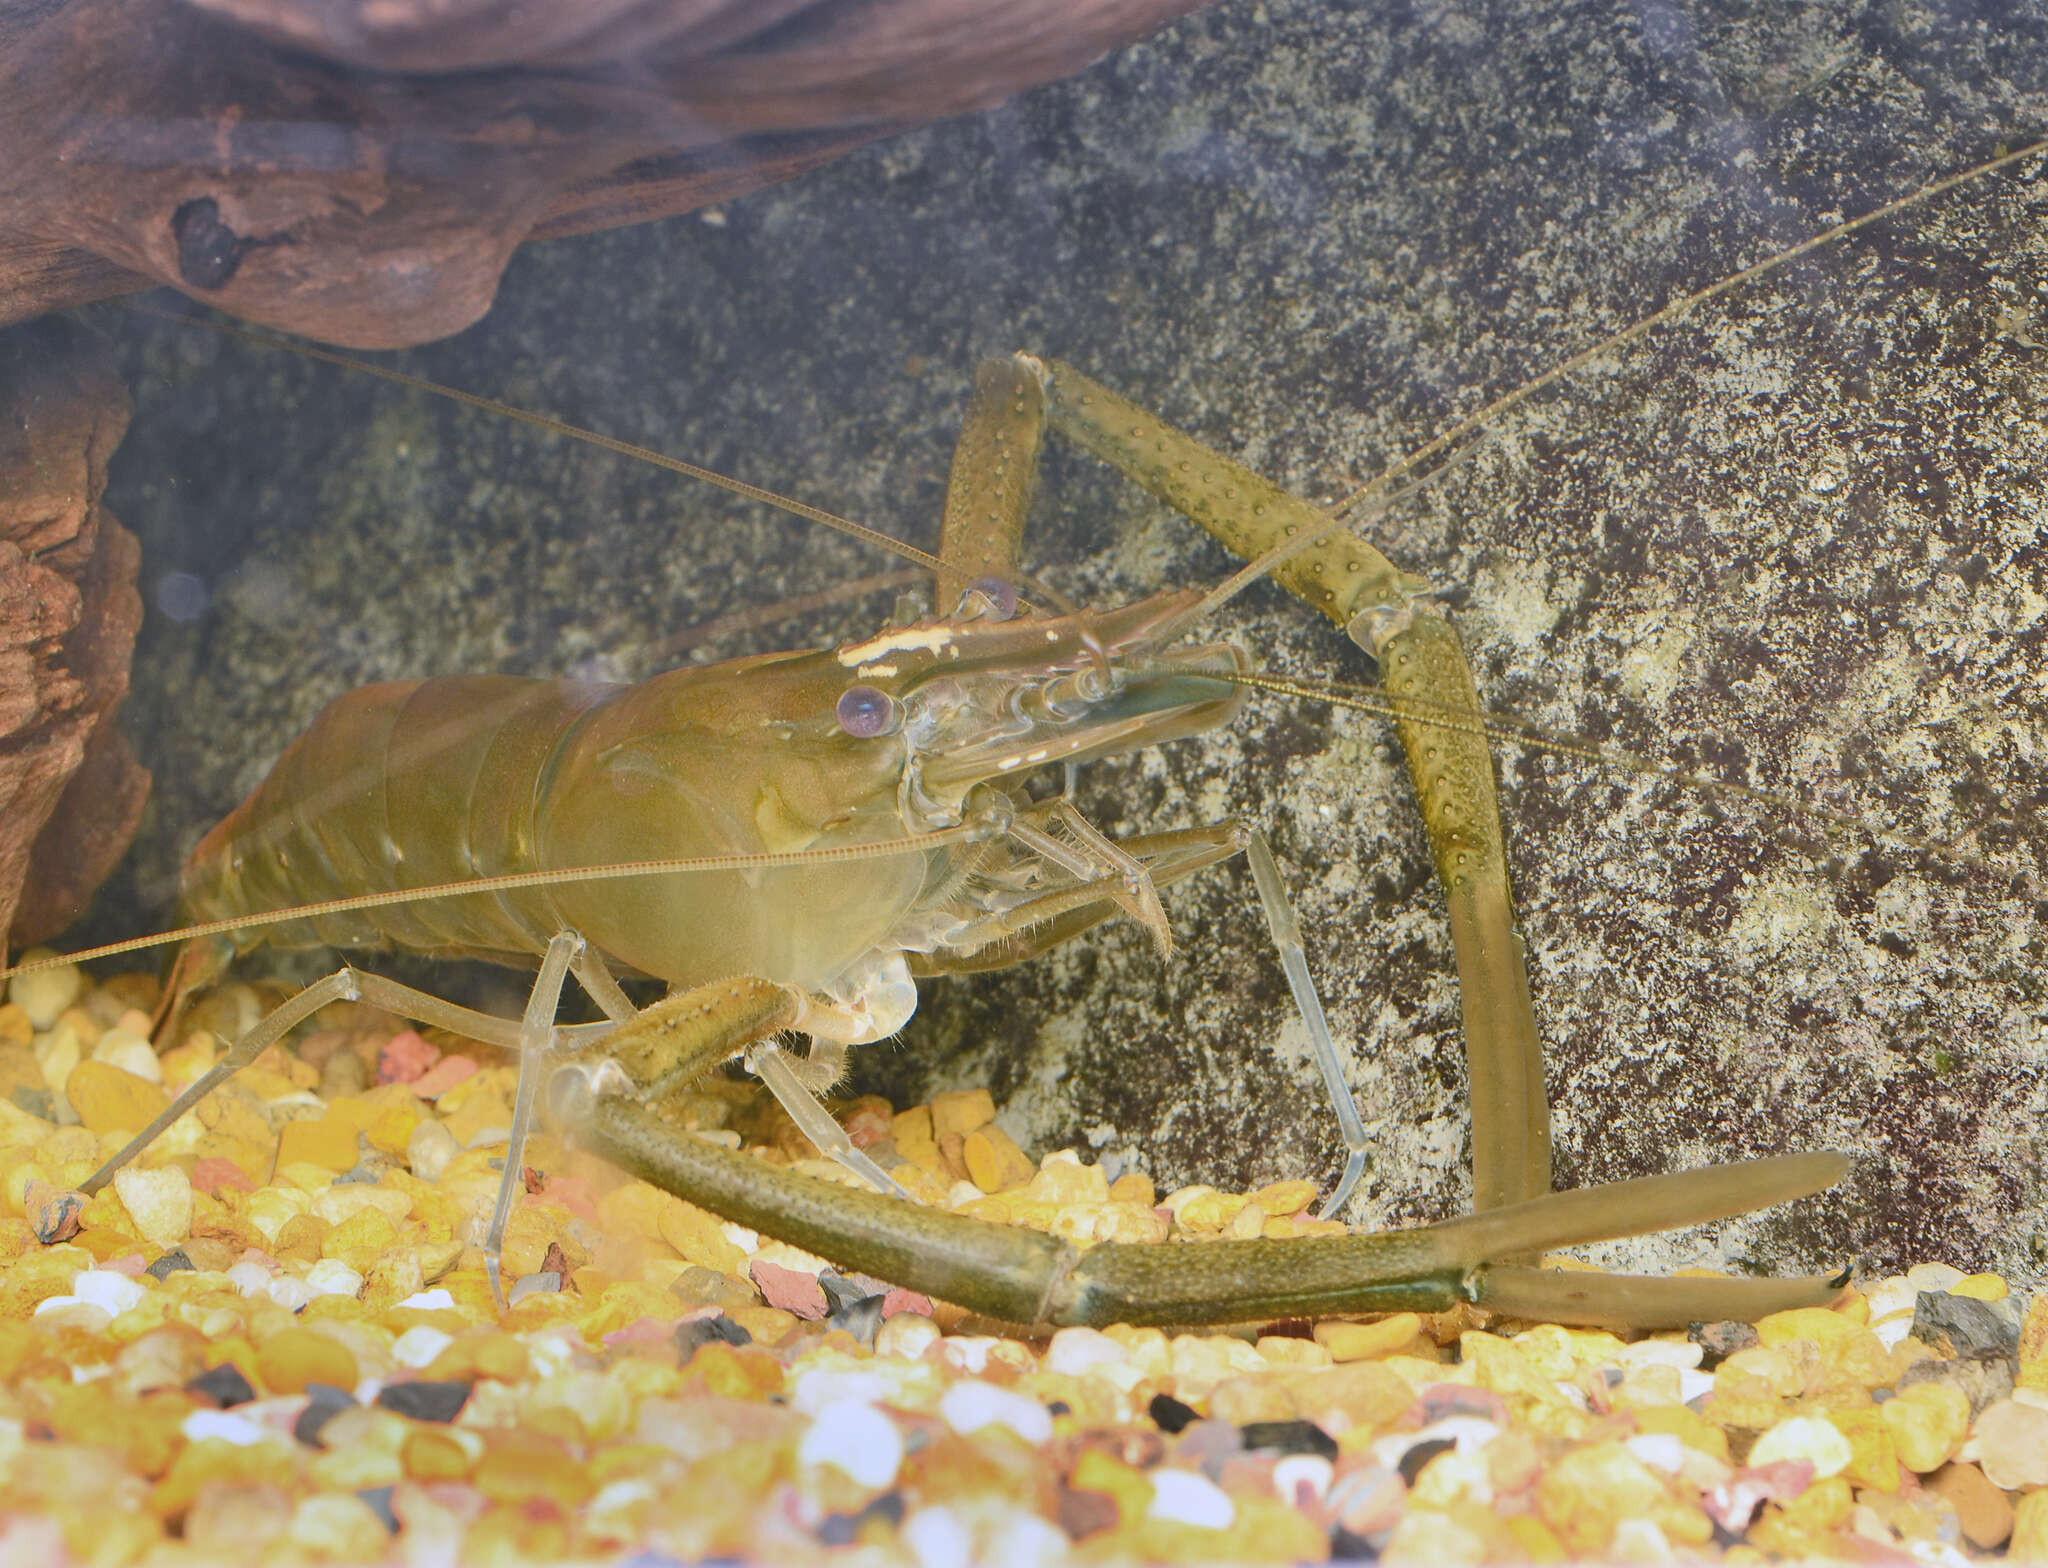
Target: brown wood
x,y
361,170
71,792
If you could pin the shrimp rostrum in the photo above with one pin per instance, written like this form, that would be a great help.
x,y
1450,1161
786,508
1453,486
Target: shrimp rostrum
x,y
790,841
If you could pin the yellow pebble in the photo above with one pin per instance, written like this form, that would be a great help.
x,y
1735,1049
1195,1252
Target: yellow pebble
x,y
361,1239
1358,1341
293,1357
517,1468
110,1099
326,1142
1285,1197
1134,1187
1928,1422
2030,1529
994,1162
441,1453
961,1111
1980,1287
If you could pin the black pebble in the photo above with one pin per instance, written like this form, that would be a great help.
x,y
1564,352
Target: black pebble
x,y
379,1499
694,1335
841,1292
1170,1415
170,1263
860,1319
841,1529
323,1403
1289,1437
1420,1455
1348,1548
224,1385
426,1399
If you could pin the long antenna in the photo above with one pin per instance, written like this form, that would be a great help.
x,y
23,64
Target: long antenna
x,y
559,427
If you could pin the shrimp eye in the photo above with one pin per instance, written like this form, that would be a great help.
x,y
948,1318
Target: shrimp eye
x,y
866,711
1000,594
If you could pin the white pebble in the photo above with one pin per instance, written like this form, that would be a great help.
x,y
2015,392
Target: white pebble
x,y
1680,1353
906,1336
1933,1276
969,1352
436,1300
1659,1450
1804,1437
1296,1471
45,994
332,1277
854,1437
1693,1384
1191,1499
288,1291
159,1201
115,1293
1076,1351
119,1048
223,1424
72,1312
748,1241
1891,1295
419,1345
249,1277
818,1387
970,1405
937,1538
429,1149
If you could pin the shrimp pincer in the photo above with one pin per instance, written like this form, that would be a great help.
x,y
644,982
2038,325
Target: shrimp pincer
x,y
805,834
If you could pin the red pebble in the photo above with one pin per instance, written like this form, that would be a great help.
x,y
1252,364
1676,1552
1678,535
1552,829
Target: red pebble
x,y
213,1173
790,1289
572,1193
405,1058
642,1331
443,1076
1734,1503
900,1300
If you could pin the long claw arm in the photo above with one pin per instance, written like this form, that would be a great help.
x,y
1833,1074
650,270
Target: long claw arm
x,y
1386,612
1025,1276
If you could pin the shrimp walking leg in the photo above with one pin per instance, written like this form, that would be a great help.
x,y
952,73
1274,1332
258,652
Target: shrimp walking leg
x,y
1385,611
347,984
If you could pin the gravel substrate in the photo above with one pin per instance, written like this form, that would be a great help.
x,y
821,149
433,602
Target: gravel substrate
x,y
272,1341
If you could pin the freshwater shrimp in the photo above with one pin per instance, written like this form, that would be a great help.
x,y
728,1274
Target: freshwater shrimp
x,y
852,817
1634,1014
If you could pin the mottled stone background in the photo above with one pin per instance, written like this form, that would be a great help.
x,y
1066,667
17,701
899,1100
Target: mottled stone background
x,y
1795,539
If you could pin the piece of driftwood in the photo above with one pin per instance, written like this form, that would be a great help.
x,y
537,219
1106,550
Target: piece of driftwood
x,y
71,792
361,170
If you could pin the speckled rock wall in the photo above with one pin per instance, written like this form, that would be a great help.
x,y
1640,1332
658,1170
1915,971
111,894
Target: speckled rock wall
x,y
1795,539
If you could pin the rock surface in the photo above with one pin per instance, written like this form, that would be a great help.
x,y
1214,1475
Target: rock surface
x,y
1794,540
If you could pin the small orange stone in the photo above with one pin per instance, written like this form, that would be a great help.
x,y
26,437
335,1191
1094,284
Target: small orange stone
x,y
961,1111
293,1357
327,1142
112,1099
521,1469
